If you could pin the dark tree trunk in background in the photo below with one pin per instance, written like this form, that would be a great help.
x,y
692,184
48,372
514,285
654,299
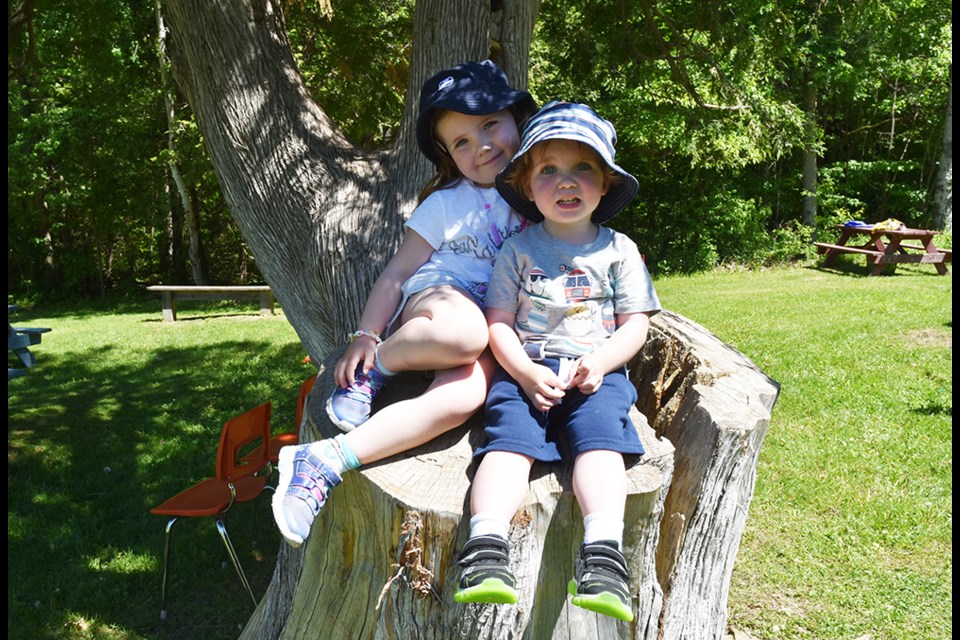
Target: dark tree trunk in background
x,y
943,185
809,185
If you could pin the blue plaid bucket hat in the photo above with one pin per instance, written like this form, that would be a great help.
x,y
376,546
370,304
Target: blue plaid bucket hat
x,y
578,122
473,88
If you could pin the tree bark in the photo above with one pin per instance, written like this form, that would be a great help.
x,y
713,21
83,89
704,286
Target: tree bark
x,y
713,404
381,558
809,178
943,185
321,216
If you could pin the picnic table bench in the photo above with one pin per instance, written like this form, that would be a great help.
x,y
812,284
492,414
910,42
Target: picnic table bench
x,y
169,293
19,341
886,247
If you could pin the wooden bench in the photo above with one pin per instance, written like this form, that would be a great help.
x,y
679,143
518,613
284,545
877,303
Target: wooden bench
x,y
947,253
822,247
881,258
169,293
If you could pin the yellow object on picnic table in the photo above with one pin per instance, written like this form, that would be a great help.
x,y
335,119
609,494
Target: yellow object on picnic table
x,y
890,224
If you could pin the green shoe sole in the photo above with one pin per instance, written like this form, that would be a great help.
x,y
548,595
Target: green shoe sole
x,y
491,591
605,603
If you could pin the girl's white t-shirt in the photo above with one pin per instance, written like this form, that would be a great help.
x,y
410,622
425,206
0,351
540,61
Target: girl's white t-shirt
x,y
466,225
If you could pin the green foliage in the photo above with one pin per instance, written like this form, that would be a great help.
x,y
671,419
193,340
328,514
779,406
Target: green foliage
x,y
874,191
708,101
791,242
355,63
84,119
89,197
883,101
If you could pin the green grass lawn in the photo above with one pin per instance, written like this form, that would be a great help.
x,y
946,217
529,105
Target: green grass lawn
x,y
122,412
849,534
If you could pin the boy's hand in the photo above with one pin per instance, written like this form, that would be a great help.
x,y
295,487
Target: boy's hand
x,y
542,386
587,375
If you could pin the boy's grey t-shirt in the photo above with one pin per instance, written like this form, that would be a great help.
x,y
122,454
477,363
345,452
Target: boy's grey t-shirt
x,y
566,296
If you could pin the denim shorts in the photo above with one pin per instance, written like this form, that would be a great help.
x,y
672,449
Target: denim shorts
x,y
421,282
580,422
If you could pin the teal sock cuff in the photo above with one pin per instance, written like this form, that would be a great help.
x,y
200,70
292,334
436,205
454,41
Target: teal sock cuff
x,y
349,457
379,365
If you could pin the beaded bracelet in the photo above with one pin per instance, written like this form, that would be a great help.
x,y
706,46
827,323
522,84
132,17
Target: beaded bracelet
x,y
364,332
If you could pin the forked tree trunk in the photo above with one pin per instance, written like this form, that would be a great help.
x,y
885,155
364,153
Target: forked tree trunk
x,y
380,561
321,216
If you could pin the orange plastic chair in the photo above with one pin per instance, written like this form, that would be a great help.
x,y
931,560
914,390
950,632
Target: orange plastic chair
x,y
236,481
290,437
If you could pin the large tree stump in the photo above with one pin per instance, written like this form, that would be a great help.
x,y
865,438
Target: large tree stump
x,y
381,558
714,405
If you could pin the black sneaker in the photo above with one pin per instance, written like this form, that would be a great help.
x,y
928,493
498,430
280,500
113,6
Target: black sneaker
x,y
600,582
486,573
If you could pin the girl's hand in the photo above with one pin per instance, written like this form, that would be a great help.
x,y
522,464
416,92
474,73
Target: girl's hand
x,y
587,375
542,386
363,349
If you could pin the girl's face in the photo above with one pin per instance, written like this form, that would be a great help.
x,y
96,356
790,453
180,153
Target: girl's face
x,y
566,182
480,145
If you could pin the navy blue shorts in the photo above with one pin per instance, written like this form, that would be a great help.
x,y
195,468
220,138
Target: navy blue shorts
x,y
583,422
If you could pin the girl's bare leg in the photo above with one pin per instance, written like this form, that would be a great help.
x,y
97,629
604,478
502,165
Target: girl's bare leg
x,y
442,328
309,471
453,396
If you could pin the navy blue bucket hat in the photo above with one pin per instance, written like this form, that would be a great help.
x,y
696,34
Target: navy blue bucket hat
x,y
473,88
580,123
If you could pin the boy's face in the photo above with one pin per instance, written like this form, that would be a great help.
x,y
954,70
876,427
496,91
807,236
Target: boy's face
x,y
480,145
566,181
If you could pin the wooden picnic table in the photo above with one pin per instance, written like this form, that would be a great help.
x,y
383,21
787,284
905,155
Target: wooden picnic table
x,y
882,247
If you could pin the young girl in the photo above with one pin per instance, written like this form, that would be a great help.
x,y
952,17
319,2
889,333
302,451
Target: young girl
x,y
424,312
568,305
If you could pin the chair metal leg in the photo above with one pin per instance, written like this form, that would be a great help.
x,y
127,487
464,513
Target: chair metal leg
x,y
166,563
233,558
256,511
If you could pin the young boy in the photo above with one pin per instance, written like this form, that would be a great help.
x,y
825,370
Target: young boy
x,y
568,305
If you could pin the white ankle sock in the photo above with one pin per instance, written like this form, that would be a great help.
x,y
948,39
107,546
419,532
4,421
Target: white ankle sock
x,y
488,523
603,526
